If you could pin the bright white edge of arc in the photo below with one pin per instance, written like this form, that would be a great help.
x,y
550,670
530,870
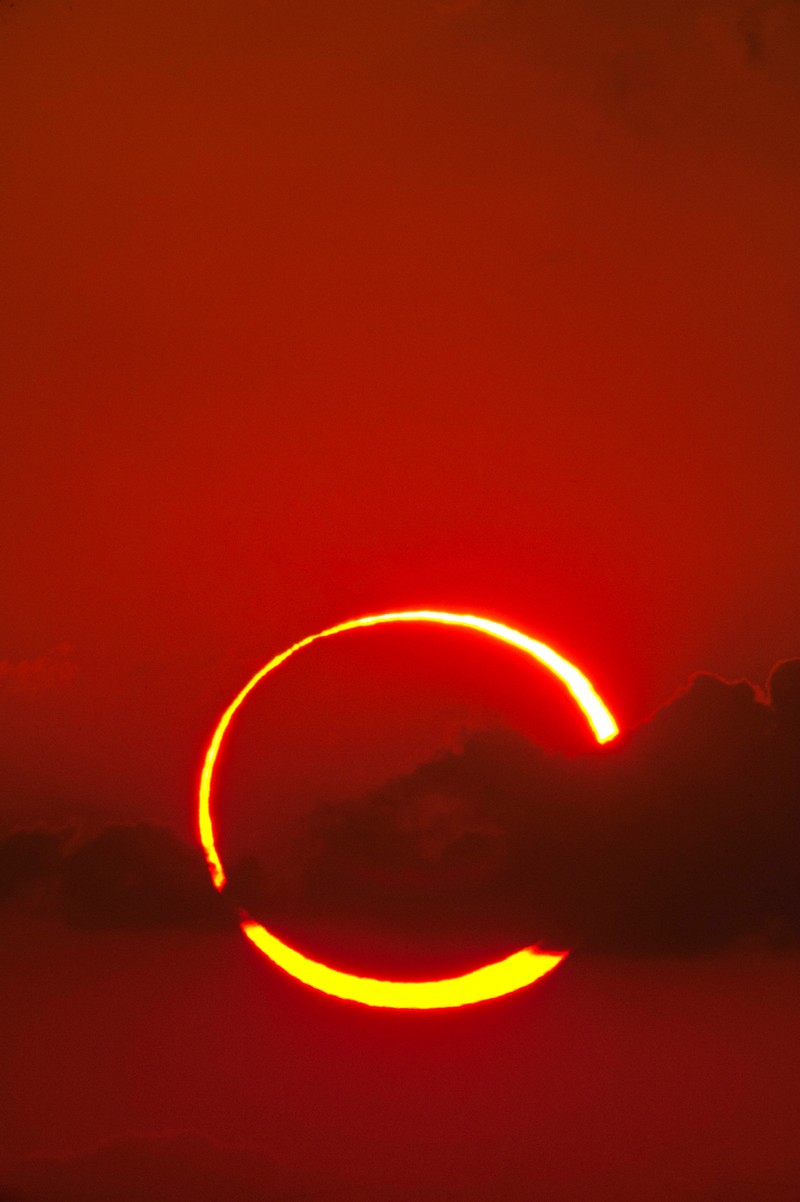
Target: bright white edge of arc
x,y
598,716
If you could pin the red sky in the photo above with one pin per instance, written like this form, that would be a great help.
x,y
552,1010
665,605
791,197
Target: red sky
x,y
315,310
605,1082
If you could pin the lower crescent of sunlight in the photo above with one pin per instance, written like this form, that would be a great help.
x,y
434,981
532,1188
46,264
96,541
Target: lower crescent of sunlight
x,y
491,981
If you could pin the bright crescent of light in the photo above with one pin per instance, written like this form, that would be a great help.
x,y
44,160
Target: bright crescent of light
x,y
490,981
493,980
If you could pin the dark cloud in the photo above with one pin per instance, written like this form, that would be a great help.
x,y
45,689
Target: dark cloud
x,y
682,836
783,690
128,877
28,855
193,1168
142,876
159,1168
771,32
189,1167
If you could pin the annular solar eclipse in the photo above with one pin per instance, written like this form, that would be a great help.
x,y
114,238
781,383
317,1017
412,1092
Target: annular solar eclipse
x,y
491,980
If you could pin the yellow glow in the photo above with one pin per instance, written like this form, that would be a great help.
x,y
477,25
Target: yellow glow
x,y
492,980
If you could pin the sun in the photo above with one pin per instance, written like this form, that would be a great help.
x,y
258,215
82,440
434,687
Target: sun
x,y
490,980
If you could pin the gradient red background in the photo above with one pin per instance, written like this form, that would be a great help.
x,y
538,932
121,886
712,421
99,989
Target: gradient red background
x,y
310,311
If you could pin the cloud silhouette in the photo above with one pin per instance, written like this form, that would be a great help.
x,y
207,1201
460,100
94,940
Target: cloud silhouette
x,y
191,1167
28,855
178,1168
142,876
680,837
124,877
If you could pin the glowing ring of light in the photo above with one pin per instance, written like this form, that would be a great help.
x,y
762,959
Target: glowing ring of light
x,y
490,981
